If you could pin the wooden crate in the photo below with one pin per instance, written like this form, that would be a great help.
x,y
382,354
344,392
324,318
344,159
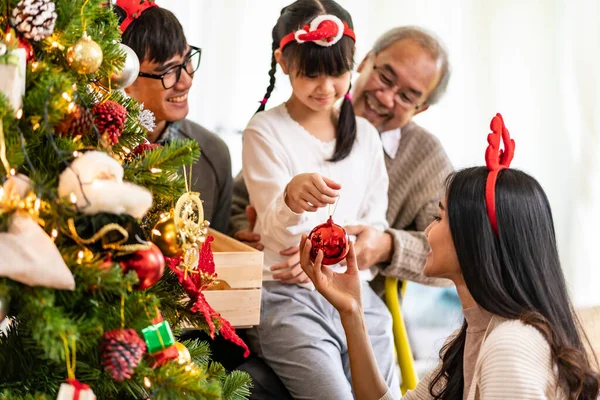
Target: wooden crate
x,y
241,267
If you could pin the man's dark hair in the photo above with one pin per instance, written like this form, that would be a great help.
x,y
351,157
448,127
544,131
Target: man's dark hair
x,y
155,36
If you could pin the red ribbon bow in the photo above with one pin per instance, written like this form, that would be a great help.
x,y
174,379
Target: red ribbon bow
x,y
195,283
322,28
78,387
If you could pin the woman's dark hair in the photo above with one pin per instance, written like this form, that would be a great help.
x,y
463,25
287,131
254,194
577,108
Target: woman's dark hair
x,y
515,275
310,59
156,35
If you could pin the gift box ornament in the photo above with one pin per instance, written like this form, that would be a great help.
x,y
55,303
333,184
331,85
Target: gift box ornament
x,y
12,71
158,337
75,390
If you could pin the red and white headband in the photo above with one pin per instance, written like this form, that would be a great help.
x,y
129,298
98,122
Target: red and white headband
x,y
496,160
324,30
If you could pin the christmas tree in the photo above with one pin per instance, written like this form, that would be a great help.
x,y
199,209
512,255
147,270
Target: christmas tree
x,y
100,240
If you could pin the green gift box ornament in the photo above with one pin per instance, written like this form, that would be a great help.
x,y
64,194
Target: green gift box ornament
x,y
158,337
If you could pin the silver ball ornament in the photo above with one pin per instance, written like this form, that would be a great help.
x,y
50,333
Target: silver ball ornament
x,y
129,73
3,307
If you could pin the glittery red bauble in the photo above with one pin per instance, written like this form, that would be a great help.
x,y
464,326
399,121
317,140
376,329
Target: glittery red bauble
x,y
148,264
144,147
332,239
110,118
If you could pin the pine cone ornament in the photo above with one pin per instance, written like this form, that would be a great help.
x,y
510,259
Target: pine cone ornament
x,y
34,19
77,123
122,351
109,118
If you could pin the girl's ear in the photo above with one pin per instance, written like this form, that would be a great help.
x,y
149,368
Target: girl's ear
x,y
281,61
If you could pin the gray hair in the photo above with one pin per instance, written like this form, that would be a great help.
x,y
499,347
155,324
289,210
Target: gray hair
x,y
429,42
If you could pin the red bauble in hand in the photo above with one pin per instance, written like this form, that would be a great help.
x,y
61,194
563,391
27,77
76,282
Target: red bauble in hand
x,y
148,264
330,238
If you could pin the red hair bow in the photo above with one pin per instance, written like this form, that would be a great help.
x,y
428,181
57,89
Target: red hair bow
x,y
324,30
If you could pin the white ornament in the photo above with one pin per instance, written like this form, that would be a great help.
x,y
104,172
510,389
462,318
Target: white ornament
x,y
2,49
146,119
94,183
12,83
29,255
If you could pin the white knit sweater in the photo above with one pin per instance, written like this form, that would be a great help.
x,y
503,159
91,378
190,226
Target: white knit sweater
x,y
514,362
276,148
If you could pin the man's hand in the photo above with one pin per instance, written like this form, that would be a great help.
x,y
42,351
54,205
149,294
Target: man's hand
x,y
372,246
246,235
290,271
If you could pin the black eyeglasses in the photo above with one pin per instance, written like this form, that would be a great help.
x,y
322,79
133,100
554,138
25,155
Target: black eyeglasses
x,y
170,77
405,98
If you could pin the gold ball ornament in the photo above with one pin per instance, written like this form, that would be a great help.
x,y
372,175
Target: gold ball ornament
x,y
165,236
219,284
85,55
184,356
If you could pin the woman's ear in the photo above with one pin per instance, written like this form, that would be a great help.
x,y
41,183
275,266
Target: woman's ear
x,y
281,61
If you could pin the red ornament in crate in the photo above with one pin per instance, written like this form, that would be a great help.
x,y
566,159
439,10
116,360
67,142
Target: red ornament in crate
x,y
332,239
148,264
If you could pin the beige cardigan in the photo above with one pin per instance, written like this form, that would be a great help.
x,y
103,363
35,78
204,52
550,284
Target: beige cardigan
x,y
514,362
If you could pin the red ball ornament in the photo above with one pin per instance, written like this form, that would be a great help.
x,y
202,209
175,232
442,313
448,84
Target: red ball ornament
x,y
332,239
148,264
24,44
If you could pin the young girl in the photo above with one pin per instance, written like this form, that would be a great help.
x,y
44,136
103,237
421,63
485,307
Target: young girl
x,y
494,237
302,161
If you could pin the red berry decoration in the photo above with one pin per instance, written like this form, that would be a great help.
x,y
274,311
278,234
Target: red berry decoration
x,y
122,351
144,147
110,118
332,239
148,264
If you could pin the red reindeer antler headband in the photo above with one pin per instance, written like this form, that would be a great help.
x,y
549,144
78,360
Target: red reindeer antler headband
x,y
133,9
496,160
324,30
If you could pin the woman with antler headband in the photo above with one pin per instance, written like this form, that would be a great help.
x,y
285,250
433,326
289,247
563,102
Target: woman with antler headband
x,y
494,237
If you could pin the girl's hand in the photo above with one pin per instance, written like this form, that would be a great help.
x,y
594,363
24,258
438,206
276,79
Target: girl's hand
x,y
308,192
341,290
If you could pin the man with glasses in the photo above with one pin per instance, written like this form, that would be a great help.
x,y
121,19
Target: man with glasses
x,y
167,68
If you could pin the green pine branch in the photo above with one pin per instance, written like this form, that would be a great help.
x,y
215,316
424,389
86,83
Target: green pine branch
x,y
158,169
32,351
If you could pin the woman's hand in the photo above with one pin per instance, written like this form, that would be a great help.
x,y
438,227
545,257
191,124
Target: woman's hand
x,y
341,290
309,192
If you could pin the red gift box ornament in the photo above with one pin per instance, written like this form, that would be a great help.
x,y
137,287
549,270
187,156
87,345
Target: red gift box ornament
x,y
332,239
75,390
